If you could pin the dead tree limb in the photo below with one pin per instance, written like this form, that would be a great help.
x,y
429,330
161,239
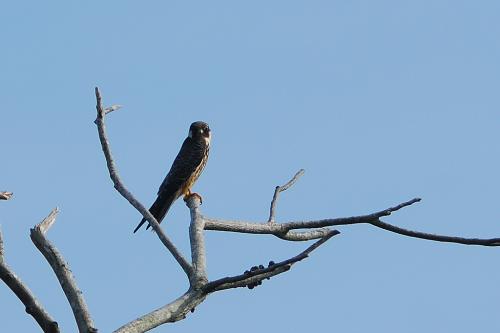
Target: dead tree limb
x,y
196,271
252,277
118,184
179,308
63,273
200,286
26,296
285,230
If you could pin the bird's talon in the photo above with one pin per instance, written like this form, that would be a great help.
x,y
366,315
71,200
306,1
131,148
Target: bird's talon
x,y
198,196
188,196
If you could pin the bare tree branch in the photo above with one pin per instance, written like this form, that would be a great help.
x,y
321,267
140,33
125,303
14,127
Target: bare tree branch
x,y
172,312
33,306
197,241
283,230
280,189
63,273
434,237
255,276
179,308
200,288
112,108
5,195
120,187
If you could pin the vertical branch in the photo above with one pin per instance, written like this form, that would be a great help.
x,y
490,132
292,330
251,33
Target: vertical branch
x,y
280,189
63,273
197,241
33,306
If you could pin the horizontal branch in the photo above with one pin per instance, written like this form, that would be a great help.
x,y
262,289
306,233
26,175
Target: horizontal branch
x,y
32,305
63,273
284,230
437,238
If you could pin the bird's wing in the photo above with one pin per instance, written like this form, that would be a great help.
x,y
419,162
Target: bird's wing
x,y
187,161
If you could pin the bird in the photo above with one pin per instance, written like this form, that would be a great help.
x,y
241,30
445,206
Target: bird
x,y
185,170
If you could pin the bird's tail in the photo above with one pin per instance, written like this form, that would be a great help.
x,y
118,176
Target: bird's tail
x,y
159,208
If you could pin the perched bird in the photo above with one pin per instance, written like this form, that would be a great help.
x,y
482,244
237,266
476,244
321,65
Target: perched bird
x,y
184,172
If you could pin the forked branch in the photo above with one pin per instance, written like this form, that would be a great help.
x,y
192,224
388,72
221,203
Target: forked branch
x,y
182,306
286,231
252,277
196,271
200,288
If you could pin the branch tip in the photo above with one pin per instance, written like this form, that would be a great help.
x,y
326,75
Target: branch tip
x,y
112,108
292,181
391,210
4,195
278,190
47,222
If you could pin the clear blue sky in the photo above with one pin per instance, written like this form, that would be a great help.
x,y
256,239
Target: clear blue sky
x,y
379,101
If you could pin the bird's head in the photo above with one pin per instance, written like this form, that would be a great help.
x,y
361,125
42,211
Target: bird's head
x,y
200,130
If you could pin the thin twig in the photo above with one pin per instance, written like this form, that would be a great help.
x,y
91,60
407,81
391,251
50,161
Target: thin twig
x,y
278,190
112,108
120,187
26,296
389,211
63,273
434,237
5,195
250,277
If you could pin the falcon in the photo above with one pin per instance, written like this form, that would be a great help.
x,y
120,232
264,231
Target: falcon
x,y
184,172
